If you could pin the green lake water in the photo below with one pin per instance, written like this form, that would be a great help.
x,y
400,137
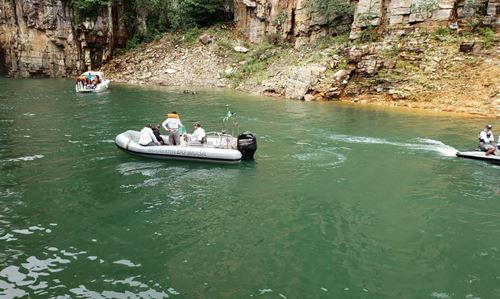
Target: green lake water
x,y
341,201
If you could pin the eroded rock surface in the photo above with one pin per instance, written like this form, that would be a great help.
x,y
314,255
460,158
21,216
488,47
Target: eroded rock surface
x,y
41,38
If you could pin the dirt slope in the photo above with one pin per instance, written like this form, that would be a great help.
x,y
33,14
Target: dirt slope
x,y
441,78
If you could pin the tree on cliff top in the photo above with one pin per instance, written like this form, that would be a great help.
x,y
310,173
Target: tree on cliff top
x,y
333,9
165,14
89,7
192,13
151,18
180,14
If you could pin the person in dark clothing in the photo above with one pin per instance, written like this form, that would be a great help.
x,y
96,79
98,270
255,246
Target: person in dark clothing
x,y
156,131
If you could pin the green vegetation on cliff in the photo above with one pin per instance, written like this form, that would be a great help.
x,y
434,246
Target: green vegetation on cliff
x,y
89,8
159,16
147,20
333,9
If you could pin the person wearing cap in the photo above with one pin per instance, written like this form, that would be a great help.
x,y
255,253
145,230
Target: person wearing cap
x,y
171,125
486,140
147,137
197,137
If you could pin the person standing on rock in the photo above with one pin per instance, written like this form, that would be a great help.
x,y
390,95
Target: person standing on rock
x,y
486,140
172,125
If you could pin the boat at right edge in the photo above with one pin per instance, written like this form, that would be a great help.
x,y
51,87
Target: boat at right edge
x,y
478,155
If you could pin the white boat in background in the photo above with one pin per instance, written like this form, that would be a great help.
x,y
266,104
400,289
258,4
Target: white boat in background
x,y
478,155
218,147
97,84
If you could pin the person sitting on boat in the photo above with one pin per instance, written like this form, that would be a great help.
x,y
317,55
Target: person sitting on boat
x,y
147,137
198,135
81,80
156,131
171,125
486,140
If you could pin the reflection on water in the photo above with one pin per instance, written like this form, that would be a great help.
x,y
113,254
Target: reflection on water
x,y
341,202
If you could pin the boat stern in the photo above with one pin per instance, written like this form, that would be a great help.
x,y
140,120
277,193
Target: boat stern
x,y
247,145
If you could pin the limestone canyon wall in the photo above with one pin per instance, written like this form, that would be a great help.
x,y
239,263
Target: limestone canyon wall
x,y
289,20
407,13
293,20
47,38
40,38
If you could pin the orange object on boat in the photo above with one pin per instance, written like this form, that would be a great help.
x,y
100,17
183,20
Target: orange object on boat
x,y
173,115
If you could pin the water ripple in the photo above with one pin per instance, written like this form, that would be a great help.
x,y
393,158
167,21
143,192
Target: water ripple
x,y
423,144
25,158
127,263
144,168
33,277
147,293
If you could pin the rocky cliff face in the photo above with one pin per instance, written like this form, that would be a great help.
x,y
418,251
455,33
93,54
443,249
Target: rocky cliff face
x,y
295,20
46,38
406,13
41,38
290,20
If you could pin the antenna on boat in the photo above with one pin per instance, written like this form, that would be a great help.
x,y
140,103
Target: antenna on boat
x,y
225,120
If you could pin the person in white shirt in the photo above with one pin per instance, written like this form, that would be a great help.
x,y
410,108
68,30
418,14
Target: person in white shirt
x,y
147,137
486,140
198,134
171,125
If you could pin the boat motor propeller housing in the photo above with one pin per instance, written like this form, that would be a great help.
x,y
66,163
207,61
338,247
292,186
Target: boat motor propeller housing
x,y
247,145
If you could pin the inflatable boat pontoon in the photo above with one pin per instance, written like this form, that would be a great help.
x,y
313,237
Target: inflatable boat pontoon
x,y
219,147
477,155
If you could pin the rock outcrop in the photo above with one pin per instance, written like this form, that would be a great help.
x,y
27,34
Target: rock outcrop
x,y
296,20
43,38
398,13
165,62
48,38
292,20
379,24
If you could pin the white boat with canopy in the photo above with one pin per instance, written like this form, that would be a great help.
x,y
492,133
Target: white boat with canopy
x,y
91,81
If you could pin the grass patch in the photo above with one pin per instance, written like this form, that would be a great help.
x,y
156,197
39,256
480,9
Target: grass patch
x,y
343,63
441,31
257,62
369,34
341,40
403,65
391,51
443,35
388,76
488,36
191,35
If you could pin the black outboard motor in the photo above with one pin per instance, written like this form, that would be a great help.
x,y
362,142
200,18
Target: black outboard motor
x,y
247,145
